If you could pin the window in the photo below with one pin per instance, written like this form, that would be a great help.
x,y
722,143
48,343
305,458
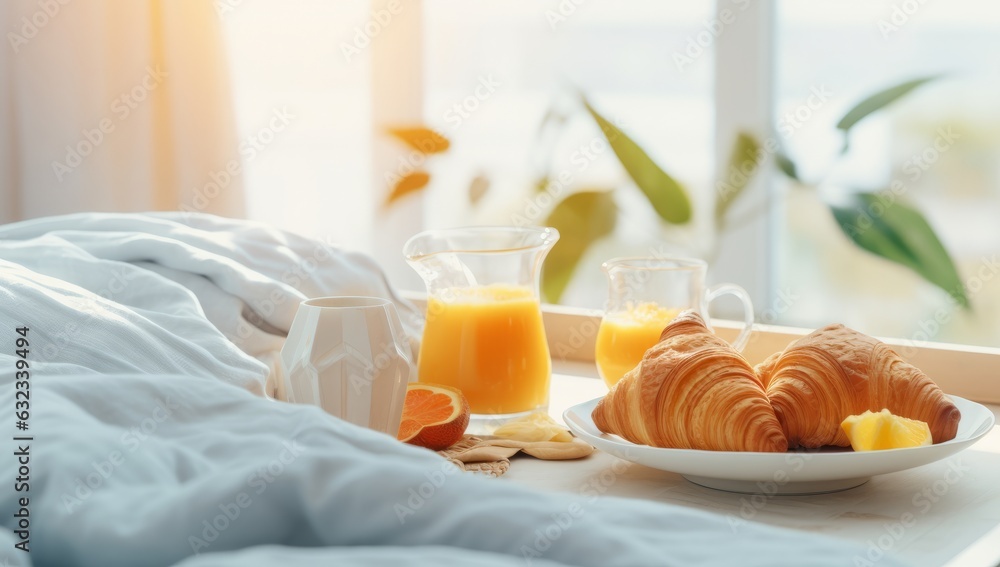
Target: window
x,y
287,57
941,143
681,78
527,60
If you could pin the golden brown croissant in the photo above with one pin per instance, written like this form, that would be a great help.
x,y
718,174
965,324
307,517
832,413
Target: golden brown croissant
x,y
835,372
692,390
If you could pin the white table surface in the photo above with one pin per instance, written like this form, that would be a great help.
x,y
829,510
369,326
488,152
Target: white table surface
x,y
960,527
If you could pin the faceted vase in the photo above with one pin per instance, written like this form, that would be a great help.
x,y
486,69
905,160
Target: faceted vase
x,y
349,356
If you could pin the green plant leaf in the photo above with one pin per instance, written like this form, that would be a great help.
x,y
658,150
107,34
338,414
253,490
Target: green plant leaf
x,y
667,196
407,184
786,166
736,179
878,101
422,139
581,219
897,232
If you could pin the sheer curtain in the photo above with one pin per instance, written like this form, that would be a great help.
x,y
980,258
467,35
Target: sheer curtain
x,y
115,105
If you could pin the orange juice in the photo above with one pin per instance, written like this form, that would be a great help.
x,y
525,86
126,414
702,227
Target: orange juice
x,y
488,342
625,336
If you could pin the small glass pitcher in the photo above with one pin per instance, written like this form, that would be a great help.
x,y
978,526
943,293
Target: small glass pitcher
x,y
484,332
644,295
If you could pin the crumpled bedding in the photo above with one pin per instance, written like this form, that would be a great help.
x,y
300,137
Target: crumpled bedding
x,y
178,270
152,444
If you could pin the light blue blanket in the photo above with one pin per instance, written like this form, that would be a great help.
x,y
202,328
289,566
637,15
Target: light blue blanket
x,y
152,446
159,469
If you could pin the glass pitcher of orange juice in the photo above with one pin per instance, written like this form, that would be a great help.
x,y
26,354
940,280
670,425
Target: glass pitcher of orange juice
x,y
644,295
484,331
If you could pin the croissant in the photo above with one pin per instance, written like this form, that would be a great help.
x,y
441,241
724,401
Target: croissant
x,y
692,390
835,372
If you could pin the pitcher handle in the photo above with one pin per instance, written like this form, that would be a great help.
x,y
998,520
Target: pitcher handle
x,y
715,292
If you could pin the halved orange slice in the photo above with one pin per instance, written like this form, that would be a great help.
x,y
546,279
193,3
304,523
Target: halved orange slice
x,y
434,416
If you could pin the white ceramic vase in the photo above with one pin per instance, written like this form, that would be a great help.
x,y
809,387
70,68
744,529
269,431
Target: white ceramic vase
x,y
351,357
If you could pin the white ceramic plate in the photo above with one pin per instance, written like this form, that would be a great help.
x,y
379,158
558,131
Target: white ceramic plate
x,y
794,472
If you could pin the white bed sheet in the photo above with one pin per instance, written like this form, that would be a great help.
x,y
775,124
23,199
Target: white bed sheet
x,y
150,428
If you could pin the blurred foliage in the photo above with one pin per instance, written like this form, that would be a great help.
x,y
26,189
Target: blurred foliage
x,y
422,139
744,153
668,198
899,233
879,101
406,184
425,142
880,222
786,165
886,227
582,218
